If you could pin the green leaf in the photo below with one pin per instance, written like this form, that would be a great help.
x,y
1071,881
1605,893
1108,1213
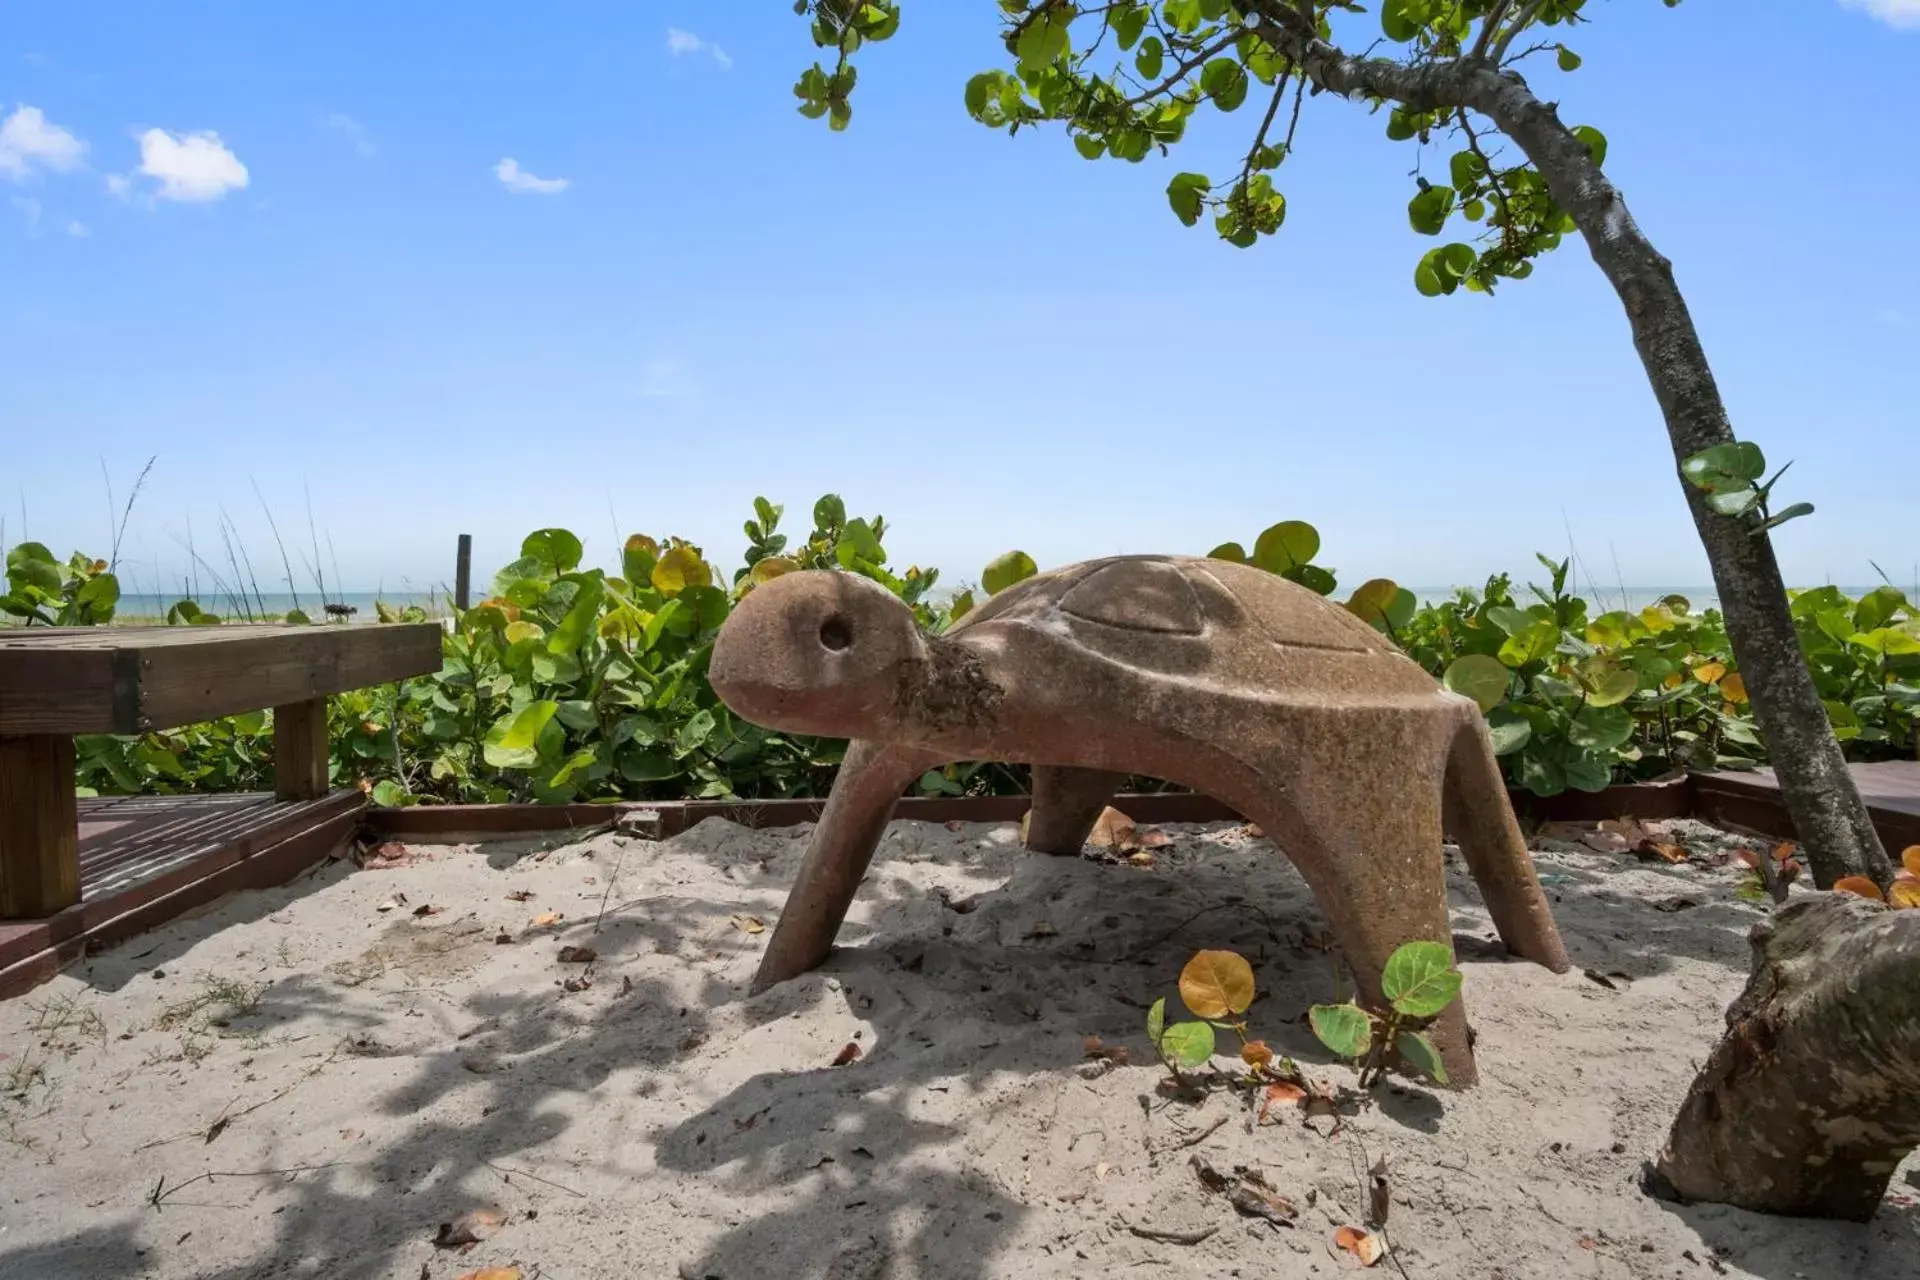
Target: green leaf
x,y
1088,146
1401,19
1290,544
1157,1021
557,550
1736,503
1570,61
1535,644
1128,24
1585,771
1420,980
980,90
1225,81
1595,140
1150,59
510,743
1232,551
1420,1051
1428,211
389,794
1509,729
1785,514
1187,194
1539,775
582,615
1600,728
1724,467
1605,683
1344,1028
1188,1044
829,514
1006,570
1479,676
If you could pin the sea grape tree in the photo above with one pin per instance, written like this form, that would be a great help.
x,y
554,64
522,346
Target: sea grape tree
x,y
1509,181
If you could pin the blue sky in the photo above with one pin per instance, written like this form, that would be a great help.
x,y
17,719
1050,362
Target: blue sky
x,y
523,265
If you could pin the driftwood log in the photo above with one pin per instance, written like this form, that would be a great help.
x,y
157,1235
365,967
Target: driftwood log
x,y
1812,1099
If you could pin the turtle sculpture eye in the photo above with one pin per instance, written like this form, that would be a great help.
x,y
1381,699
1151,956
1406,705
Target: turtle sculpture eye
x,y
836,634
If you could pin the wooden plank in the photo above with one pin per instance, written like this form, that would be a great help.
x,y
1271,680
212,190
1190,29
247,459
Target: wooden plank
x,y
131,679
50,946
1751,800
300,750
39,827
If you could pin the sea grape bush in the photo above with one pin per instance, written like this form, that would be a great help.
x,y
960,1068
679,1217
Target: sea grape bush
x,y
571,683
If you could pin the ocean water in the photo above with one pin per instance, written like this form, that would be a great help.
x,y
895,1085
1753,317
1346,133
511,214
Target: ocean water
x,y
270,603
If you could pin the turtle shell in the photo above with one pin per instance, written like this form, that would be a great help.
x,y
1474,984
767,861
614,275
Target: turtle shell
x,y
1177,596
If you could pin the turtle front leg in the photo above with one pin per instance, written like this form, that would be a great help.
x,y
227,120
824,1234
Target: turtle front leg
x,y
1378,875
1480,816
1066,803
871,779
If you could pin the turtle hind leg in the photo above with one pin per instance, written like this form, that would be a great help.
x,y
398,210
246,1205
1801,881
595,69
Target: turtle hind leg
x,y
871,779
1480,816
1067,801
1378,876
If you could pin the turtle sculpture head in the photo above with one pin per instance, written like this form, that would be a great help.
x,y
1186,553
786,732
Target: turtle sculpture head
x,y
818,652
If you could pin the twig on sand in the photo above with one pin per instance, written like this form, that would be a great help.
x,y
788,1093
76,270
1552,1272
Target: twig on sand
x,y
225,1118
161,1190
1242,903
1171,1237
1200,1137
608,891
505,1170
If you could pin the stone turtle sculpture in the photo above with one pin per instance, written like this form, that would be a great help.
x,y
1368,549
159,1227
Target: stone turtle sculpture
x,y
1212,675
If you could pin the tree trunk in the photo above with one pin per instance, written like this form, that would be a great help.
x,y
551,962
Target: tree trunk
x,y
1813,1097
1819,793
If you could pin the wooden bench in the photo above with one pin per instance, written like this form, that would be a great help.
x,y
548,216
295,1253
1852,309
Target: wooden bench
x,y
56,682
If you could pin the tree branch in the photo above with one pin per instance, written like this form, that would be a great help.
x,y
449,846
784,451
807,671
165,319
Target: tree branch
x,y
1521,23
1185,69
1495,16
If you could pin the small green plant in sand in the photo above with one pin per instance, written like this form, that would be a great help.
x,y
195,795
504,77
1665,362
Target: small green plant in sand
x,y
1217,988
1419,982
218,1002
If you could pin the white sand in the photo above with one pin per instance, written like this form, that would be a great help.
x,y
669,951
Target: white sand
x,y
658,1123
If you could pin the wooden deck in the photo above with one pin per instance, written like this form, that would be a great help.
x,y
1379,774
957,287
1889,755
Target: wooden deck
x,y
145,860
1891,789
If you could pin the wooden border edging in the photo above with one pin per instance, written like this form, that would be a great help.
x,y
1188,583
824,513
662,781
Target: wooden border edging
x,y
462,823
1745,800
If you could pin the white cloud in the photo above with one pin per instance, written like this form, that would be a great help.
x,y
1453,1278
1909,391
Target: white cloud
x,y
681,42
78,230
353,132
1895,13
28,140
29,211
193,168
520,182
119,186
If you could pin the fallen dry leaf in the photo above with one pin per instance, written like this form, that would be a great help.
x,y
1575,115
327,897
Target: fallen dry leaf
x,y
1140,858
1113,830
1904,895
1784,851
1101,1170
954,824
1042,929
397,900
469,1229
385,857
1153,838
749,924
579,982
493,1273
1280,1094
427,909
1364,1245
848,1052
1099,1050
1859,886
519,895
545,919
1665,850
1748,858
503,939
1256,1054
1257,1202
1379,1193
578,955
1910,858
1210,1178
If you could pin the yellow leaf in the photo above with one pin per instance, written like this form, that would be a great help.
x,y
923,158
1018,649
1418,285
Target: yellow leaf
x,y
1911,858
1904,894
770,568
1364,1245
1859,886
749,924
520,629
1672,681
1710,672
1216,983
493,1273
679,569
1733,688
